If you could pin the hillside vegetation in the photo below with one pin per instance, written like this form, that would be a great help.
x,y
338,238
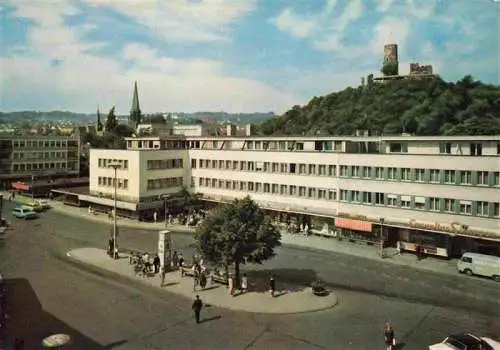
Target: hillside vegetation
x,y
434,107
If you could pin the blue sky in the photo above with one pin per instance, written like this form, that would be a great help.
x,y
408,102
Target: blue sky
x,y
231,55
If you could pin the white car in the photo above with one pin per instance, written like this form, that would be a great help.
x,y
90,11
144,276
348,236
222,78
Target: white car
x,y
466,341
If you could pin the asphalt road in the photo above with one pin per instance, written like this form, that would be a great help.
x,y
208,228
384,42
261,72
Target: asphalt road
x,y
101,314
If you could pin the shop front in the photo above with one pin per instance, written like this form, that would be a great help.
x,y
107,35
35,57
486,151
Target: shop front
x,y
357,231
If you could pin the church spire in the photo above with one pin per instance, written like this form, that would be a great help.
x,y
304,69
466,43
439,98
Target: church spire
x,y
99,123
135,111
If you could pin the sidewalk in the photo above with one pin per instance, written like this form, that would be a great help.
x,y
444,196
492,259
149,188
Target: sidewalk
x,y
291,299
312,242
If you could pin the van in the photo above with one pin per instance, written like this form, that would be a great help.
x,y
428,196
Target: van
x,y
480,265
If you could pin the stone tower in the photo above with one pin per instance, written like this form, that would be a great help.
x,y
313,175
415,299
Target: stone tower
x,y
135,111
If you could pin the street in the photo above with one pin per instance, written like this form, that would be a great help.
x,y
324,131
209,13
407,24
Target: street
x,y
423,306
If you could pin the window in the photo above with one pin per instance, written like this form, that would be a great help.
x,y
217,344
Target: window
x,y
482,178
379,198
476,149
322,170
434,204
465,208
465,178
398,147
366,172
449,205
343,195
274,188
419,203
284,168
482,209
392,200
367,197
449,176
321,194
302,191
379,173
332,170
312,169
299,146
343,171
405,202
283,190
267,188
406,174
293,190
434,175
445,148
193,163
392,173
355,171
293,168
419,175
311,192
496,178
356,196
496,209
302,169
332,195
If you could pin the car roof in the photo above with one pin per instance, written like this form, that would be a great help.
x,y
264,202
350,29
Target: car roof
x,y
466,339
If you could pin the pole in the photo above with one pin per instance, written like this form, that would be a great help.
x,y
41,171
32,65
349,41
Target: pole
x,y
114,220
33,187
165,198
382,239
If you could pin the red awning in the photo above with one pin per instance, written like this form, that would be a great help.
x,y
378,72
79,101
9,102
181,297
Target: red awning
x,y
20,186
355,225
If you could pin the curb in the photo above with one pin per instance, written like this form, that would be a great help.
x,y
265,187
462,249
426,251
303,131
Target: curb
x,y
162,294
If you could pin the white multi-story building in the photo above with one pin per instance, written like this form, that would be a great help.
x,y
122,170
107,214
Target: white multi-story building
x,y
439,192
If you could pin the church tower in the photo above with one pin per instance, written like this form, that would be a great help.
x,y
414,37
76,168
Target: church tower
x,y
135,111
99,125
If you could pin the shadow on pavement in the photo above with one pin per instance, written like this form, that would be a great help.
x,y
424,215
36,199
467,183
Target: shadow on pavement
x,y
210,319
399,346
287,280
30,323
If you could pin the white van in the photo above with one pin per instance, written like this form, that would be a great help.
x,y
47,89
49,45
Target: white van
x,y
480,264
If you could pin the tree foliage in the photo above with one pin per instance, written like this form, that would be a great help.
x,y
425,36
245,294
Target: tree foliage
x,y
237,233
420,107
389,68
111,121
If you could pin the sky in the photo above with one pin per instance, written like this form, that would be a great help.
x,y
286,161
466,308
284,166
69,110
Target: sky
x,y
228,55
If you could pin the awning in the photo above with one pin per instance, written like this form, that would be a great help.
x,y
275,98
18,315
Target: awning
x,y
20,186
355,225
108,202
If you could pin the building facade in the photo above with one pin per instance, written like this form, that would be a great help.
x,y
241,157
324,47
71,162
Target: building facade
x,y
415,190
22,157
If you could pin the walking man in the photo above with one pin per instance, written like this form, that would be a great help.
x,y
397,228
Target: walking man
x,y
156,263
197,306
162,275
155,216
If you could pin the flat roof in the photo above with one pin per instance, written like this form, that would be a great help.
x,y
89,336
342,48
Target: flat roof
x,y
72,190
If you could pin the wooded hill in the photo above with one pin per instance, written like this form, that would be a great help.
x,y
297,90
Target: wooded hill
x,y
434,107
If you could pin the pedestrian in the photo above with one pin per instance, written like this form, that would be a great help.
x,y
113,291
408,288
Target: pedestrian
x,y
156,263
203,280
155,216
230,285
244,283
389,337
195,278
175,260
181,260
197,306
398,247
162,276
272,286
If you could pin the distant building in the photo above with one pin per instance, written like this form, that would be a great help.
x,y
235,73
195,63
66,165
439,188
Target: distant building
x,y
22,157
417,69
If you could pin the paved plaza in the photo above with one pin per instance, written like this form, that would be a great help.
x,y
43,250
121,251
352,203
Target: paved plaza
x,y
50,294
290,298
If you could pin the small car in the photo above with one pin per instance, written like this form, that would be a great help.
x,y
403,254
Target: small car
x,y
466,341
23,213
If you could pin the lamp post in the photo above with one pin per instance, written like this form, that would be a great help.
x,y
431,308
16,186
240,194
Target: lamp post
x,y
115,166
33,187
165,197
382,220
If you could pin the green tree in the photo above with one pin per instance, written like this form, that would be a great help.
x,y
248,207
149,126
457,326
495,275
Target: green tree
x,y
235,234
390,68
111,122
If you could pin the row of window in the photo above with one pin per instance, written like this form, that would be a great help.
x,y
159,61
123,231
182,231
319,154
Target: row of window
x,y
45,143
160,164
167,182
106,163
39,155
105,181
449,205
454,177
38,166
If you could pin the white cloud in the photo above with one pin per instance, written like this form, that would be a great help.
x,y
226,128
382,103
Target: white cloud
x,y
295,25
384,5
82,80
179,20
390,30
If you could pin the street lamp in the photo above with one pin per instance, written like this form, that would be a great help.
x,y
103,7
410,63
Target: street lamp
x,y
382,220
165,197
33,187
115,166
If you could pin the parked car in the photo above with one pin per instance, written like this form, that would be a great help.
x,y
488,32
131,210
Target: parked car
x,y
466,341
43,204
23,213
480,264
32,207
